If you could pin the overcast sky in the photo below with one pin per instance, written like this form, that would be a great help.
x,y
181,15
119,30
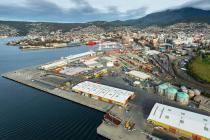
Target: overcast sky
x,y
88,10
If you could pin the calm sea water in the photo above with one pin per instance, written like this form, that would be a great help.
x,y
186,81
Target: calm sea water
x,y
30,114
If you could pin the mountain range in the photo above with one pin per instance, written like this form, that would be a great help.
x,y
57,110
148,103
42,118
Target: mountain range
x,y
169,17
162,18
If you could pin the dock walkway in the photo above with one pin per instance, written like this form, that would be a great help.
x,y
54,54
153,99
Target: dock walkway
x,y
31,77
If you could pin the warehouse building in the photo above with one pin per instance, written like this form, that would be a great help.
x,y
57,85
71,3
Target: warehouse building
x,y
139,75
105,46
104,93
49,66
93,64
64,61
80,56
181,122
152,52
73,70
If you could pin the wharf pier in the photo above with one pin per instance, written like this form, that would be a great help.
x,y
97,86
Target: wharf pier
x,y
25,76
33,77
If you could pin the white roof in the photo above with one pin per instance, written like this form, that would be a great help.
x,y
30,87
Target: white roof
x,y
80,55
139,74
110,45
65,60
109,58
111,93
152,52
73,70
91,62
54,64
185,120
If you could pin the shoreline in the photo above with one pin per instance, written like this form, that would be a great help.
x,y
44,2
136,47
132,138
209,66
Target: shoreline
x,y
71,96
28,76
44,47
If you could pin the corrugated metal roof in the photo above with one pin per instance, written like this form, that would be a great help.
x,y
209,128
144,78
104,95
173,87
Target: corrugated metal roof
x,y
185,120
152,52
73,70
111,93
139,74
54,64
64,61
80,55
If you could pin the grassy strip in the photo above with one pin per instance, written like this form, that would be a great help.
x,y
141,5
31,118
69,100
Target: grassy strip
x,y
200,68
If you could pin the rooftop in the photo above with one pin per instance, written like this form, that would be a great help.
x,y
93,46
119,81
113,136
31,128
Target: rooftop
x,y
111,93
70,57
139,74
181,119
152,52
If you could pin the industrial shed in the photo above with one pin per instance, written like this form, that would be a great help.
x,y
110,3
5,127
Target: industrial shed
x,y
152,52
49,66
80,55
178,121
104,93
73,70
139,75
64,61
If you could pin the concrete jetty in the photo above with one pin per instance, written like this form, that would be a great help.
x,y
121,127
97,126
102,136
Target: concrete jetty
x,y
33,77
25,76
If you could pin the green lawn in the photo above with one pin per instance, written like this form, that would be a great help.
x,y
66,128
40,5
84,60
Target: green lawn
x,y
200,68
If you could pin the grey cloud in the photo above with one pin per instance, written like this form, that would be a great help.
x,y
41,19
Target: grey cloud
x,y
112,9
41,10
136,13
34,10
202,4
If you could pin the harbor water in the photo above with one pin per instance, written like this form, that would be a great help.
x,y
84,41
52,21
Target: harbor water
x,y
27,113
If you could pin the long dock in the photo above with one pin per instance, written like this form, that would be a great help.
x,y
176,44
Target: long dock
x,y
23,76
32,77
